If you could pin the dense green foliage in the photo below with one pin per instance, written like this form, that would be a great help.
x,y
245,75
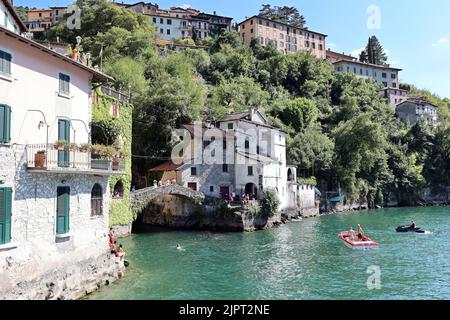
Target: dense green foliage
x,y
270,203
338,128
285,14
374,52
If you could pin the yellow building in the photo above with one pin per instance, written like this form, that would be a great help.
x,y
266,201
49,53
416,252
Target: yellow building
x,y
40,20
284,37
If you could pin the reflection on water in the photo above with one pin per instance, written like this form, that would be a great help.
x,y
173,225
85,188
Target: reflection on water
x,y
301,260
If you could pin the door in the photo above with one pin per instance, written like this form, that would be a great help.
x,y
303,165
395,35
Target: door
x,y
64,134
62,210
192,185
224,192
5,215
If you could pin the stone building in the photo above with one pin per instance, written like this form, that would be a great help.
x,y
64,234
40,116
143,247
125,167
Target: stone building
x,y
54,197
284,37
243,155
394,96
413,109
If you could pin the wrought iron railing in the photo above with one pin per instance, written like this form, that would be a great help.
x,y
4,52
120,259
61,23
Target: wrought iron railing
x,y
49,157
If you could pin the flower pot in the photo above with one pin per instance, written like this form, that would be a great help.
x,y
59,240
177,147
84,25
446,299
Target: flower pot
x,y
39,160
116,165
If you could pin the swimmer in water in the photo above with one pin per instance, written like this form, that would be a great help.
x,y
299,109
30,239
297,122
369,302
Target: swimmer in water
x,y
179,247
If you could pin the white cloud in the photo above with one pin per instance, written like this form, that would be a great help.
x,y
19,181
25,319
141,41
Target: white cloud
x,y
441,41
356,52
186,6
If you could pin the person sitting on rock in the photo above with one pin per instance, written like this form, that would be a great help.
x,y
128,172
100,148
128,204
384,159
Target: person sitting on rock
x,y
120,253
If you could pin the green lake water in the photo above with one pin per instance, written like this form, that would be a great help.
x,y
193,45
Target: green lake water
x,y
299,260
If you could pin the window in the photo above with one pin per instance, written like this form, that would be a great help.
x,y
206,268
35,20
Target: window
x,y
243,26
393,76
168,31
360,71
250,170
247,144
154,20
161,31
5,63
193,171
5,215
64,84
62,210
97,200
225,168
394,85
169,21
314,45
384,75
320,47
211,189
161,20
251,22
5,123
281,36
307,44
230,126
385,84
354,70
251,30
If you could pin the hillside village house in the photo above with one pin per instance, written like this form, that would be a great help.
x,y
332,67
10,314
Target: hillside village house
x,y
394,96
40,20
284,37
254,159
180,23
413,109
54,201
382,74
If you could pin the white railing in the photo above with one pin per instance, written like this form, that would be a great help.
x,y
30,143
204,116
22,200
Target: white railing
x,y
48,157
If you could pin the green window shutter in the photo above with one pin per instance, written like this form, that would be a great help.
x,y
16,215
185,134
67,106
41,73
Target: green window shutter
x,y
63,134
64,83
5,63
2,123
5,123
62,210
5,215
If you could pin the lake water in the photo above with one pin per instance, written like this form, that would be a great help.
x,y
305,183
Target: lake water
x,y
299,260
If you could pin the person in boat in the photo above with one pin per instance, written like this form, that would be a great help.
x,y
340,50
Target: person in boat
x,y
351,234
360,233
412,225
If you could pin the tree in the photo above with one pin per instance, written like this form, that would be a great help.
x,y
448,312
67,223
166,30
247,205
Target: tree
x,y
375,52
270,202
22,12
299,114
363,56
289,15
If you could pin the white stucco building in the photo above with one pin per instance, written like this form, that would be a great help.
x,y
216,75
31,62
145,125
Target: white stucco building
x,y
413,109
243,156
382,74
54,203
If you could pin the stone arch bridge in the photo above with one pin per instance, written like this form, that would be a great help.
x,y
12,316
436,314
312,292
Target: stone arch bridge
x,y
143,197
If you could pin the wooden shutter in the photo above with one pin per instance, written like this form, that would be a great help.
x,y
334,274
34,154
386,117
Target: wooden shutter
x,y
64,83
63,134
5,124
62,210
5,215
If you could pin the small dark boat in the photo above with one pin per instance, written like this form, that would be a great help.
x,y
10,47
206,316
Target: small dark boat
x,y
409,229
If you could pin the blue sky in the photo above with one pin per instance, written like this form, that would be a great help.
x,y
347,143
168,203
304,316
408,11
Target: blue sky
x,y
416,34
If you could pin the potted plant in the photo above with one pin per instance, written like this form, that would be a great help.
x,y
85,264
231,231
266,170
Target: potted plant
x,y
60,144
39,159
73,147
85,147
98,150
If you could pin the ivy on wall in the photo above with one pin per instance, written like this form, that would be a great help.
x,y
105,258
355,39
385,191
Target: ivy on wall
x,y
120,210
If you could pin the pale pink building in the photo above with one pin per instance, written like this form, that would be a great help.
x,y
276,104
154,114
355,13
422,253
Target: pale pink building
x,y
47,230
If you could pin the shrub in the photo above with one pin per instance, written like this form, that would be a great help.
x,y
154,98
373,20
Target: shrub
x,y
270,203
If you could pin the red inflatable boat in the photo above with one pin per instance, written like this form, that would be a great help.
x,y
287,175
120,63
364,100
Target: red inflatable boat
x,y
366,242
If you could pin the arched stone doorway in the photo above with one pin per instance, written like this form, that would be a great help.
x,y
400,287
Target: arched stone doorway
x,y
252,190
118,190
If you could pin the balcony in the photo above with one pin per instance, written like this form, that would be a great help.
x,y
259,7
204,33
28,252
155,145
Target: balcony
x,y
47,158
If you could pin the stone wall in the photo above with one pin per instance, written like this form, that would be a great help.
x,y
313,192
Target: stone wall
x,y
177,212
